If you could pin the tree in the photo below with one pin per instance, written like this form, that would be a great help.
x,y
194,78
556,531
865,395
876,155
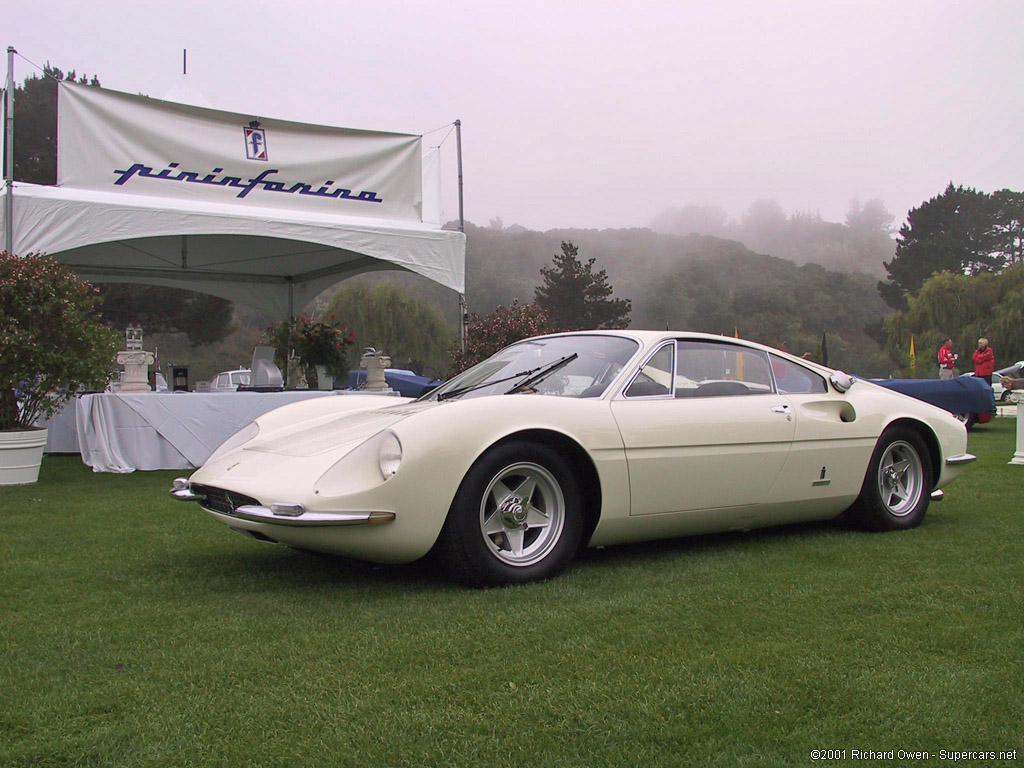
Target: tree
x,y
574,297
35,125
1008,225
386,317
870,218
52,344
205,319
950,232
491,333
964,307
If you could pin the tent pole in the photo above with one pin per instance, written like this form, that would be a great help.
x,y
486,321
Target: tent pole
x,y
9,152
462,228
463,314
291,326
458,152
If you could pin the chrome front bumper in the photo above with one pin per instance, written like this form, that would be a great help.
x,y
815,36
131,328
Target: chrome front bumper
x,y
954,461
283,513
961,458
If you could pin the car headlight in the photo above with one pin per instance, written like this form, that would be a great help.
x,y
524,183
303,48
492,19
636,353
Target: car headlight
x,y
389,455
241,437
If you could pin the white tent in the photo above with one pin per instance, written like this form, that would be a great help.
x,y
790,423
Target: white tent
x,y
274,259
261,211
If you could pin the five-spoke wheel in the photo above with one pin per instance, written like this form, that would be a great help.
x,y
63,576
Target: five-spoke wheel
x,y
900,478
898,484
517,517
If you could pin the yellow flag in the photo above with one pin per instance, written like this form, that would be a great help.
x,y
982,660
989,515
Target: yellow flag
x,y
913,354
739,355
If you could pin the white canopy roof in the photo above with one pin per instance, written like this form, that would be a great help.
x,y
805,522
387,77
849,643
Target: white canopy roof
x,y
270,258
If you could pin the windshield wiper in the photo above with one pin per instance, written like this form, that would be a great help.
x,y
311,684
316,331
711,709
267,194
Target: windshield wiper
x,y
463,390
541,372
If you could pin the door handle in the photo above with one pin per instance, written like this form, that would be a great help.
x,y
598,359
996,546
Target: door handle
x,y
784,409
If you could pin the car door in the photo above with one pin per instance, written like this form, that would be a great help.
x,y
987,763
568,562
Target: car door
x,y
830,453
715,436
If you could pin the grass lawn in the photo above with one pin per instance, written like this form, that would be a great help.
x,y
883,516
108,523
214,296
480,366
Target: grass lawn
x,y
135,631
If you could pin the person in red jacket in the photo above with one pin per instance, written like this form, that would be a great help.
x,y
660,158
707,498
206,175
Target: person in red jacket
x,y
947,360
984,361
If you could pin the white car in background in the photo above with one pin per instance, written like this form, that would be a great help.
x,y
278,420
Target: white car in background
x,y
1015,371
230,381
582,439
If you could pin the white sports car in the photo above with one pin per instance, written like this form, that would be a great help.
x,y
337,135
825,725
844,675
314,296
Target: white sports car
x,y
582,439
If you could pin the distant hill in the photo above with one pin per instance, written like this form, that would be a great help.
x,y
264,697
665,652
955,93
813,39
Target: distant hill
x,y
688,282
862,244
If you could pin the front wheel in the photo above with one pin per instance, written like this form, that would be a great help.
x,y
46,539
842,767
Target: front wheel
x,y
898,483
517,517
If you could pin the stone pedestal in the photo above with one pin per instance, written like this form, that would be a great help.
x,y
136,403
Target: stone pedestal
x,y
136,364
1018,457
375,363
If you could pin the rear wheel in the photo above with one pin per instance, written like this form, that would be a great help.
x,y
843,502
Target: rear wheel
x,y
517,517
898,483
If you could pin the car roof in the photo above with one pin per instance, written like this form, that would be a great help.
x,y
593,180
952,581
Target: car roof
x,y
648,338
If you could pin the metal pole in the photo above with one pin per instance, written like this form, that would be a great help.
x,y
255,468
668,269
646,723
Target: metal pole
x,y
9,160
462,228
458,152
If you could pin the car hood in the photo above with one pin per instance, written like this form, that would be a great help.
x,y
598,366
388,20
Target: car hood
x,y
335,433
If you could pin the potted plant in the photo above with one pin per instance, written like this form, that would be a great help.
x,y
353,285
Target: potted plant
x,y
322,347
52,345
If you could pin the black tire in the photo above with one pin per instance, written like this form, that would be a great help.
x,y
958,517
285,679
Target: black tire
x,y
898,483
516,518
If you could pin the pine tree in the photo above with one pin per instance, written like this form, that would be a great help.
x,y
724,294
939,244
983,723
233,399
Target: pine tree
x,y
574,297
952,232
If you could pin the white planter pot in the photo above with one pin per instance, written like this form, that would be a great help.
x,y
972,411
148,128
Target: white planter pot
x,y
324,380
21,453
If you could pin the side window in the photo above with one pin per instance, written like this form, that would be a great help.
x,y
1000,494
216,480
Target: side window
x,y
793,379
714,369
655,378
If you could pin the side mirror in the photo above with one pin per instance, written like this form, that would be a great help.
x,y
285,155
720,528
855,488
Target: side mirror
x,y
841,381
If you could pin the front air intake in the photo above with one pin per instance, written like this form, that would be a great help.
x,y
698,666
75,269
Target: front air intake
x,y
219,500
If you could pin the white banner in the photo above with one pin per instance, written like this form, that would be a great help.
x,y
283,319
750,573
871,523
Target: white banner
x,y
112,141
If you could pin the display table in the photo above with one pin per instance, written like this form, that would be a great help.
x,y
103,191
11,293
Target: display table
x,y
123,432
60,430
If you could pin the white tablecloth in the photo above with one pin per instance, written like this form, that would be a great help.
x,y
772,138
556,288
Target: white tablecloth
x,y
60,430
122,432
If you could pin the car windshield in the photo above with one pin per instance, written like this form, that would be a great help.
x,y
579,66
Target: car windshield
x,y
564,366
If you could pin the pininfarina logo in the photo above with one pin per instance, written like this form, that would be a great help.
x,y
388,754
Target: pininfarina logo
x,y
255,142
261,181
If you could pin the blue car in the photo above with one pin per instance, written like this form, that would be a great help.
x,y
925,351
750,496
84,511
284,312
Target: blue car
x,y
967,397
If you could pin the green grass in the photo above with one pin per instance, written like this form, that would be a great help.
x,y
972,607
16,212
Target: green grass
x,y
135,631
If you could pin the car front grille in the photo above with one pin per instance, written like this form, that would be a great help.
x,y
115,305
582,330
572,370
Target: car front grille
x,y
219,500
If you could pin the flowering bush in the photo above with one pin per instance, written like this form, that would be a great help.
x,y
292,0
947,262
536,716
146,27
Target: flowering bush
x,y
314,342
52,341
505,325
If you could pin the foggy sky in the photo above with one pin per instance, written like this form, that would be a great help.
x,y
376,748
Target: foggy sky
x,y
598,113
